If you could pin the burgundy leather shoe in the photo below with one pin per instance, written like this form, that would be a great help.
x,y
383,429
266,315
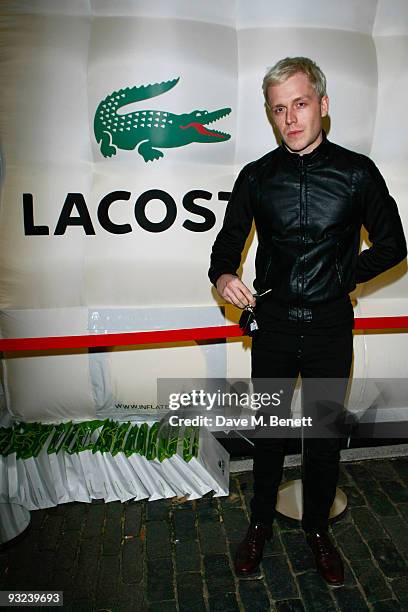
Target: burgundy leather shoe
x,y
249,552
328,561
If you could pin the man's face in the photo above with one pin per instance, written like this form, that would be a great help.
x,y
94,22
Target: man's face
x,y
297,113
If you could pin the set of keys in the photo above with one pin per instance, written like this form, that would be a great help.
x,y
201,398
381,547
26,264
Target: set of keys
x,y
247,321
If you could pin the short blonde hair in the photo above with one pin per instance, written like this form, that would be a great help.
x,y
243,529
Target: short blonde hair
x,y
289,66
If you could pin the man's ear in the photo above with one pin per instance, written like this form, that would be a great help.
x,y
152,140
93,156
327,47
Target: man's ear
x,y
324,106
269,114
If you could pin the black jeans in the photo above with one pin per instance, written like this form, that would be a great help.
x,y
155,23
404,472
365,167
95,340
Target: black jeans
x,y
284,357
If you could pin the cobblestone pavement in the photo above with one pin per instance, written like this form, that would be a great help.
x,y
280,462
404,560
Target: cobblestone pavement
x,y
169,555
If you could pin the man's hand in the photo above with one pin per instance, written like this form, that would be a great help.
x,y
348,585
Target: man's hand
x,y
233,290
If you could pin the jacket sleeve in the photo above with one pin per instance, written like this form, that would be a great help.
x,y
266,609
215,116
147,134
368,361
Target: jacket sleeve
x,y
383,223
230,241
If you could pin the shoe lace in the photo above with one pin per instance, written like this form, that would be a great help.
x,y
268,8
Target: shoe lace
x,y
254,536
325,548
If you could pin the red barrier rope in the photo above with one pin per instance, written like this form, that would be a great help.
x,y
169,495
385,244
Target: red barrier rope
x,y
165,336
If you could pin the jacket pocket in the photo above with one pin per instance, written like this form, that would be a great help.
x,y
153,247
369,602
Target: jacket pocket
x,y
339,267
262,266
266,274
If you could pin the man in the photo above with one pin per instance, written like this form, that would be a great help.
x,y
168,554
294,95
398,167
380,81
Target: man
x,y
309,199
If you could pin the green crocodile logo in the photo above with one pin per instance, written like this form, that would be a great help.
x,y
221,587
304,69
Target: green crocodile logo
x,y
150,128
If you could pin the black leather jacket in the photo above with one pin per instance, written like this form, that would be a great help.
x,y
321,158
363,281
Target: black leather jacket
x,y
308,213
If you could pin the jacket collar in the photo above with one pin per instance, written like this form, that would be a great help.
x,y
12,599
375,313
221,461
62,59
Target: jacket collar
x,y
318,154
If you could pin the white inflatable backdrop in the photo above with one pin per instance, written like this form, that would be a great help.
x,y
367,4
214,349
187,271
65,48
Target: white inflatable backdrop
x,y
59,60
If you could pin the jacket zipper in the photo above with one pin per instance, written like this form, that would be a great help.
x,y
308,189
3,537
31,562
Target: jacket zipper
x,y
302,236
